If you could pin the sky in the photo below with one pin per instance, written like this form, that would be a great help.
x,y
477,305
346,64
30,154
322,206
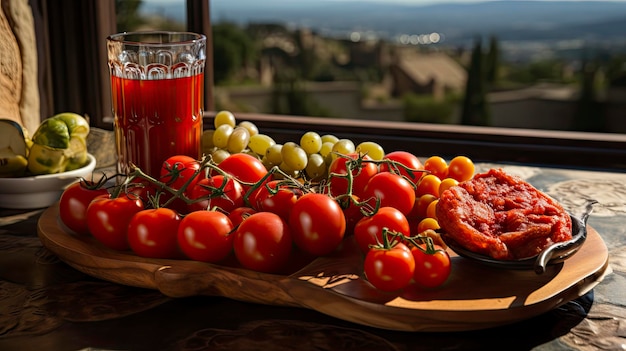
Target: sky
x,y
428,2
415,2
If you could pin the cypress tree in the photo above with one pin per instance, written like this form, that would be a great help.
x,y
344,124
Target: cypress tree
x,y
475,109
492,61
590,114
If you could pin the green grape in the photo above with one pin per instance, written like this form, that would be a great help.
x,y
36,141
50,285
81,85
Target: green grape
x,y
288,170
268,165
207,141
221,136
274,154
329,138
311,142
251,127
326,151
238,140
219,155
316,167
251,153
344,147
294,157
224,117
326,148
371,149
259,143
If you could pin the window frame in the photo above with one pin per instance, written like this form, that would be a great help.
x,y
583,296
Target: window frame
x,y
74,34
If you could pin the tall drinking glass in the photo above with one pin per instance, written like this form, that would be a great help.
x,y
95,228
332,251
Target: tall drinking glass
x,y
157,89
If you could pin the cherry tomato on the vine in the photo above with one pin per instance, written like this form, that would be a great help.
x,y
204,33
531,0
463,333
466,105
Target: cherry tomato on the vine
x,y
142,189
277,197
263,242
432,269
245,168
108,219
405,159
216,195
237,215
178,170
352,212
392,189
74,202
205,236
362,171
317,224
389,269
152,233
369,230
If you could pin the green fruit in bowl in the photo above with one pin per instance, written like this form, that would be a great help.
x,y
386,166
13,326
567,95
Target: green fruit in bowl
x,y
59,144
13,149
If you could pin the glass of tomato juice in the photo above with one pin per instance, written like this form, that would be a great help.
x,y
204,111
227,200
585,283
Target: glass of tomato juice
x,y
157,91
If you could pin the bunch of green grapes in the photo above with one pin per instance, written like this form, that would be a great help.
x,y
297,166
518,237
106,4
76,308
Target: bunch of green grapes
x,y
311,156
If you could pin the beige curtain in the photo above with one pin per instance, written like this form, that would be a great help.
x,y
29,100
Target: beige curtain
x,y
19,91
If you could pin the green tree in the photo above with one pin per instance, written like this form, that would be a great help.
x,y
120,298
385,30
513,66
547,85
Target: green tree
x,y
475,107
127,15
305,59
233,49
492,62
589,115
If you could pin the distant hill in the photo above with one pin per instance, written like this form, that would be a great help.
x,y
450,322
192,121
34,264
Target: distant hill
x,y
511,20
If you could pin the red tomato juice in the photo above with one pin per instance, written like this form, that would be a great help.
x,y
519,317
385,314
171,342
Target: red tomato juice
x,y
156,119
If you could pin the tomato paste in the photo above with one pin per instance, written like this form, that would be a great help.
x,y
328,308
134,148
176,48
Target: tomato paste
x,y
502,216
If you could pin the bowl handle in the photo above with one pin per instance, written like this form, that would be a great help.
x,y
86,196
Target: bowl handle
x,y
569,247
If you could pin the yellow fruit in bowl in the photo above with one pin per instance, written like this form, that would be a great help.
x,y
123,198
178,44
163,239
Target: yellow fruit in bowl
x,y
13,149
59,144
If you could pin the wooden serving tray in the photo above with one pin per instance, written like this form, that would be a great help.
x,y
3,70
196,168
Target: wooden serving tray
x,y
475,296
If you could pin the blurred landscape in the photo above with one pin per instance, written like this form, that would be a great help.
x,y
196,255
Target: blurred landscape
x,y
526,28
523,64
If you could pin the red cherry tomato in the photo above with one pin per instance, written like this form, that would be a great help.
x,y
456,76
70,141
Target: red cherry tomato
x,y
152,233
406,159
216,195
389,269
369,230
361,174
245,168
108,219
352,213
142,189
276,197
263,243
205,236
74,202
317,224
431,269
178,170
238,215
393,190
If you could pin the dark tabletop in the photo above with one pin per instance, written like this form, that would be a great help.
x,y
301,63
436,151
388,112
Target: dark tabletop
x,y
47,305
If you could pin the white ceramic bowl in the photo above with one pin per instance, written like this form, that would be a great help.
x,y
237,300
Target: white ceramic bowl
x,y
42,190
